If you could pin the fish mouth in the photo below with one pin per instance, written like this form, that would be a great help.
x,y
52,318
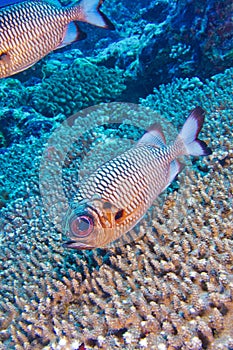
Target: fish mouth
x,y
76,245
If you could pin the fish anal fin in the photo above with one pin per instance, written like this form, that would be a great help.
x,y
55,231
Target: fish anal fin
x,y
154,136
73,33
175,168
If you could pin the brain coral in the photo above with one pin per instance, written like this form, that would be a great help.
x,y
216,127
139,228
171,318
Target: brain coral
x,y
74,87
65,88
172,289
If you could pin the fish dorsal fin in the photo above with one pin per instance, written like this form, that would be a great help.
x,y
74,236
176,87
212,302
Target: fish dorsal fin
x,y
154,136
73,33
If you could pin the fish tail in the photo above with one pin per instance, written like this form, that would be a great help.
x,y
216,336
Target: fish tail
x,y
189,134
91,13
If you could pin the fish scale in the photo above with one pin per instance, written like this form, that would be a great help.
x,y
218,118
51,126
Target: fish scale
x,y
32,29
18,29
114,198
131,175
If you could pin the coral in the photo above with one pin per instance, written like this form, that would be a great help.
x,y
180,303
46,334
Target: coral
x,y
215,94
171,289
195,39
24,124
82,83
122,54
78,86
4,198
12,93
173,39
153,44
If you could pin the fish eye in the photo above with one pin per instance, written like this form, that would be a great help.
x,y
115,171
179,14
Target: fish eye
x,y
82,226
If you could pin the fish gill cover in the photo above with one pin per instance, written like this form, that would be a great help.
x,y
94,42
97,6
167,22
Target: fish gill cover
x,y
171,287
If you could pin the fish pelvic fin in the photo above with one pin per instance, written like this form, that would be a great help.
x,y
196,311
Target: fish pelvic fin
x,y
154,137
189,134
91,13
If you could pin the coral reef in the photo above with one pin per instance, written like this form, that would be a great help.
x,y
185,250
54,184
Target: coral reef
x,y
185,44
215,94
24,124
168,40
172,289
78,86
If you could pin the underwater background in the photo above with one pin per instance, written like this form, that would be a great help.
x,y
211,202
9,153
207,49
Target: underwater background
x,y
173,288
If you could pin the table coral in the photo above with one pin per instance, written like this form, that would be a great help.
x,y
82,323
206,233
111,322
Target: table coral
x,y
172,289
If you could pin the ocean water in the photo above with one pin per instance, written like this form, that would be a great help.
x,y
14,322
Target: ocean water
x,y
168,284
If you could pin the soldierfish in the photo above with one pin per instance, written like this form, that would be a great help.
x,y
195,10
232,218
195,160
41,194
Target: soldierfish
x,y
114,198
29,30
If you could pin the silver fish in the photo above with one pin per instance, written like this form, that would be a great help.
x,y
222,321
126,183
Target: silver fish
x,y
114,198
29,30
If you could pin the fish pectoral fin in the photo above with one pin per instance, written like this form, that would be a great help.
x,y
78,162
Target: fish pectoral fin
x,y
175,168
72,33
112,214
4,57
120,216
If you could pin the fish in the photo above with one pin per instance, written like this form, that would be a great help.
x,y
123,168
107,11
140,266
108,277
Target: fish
x,y
116,196
29,30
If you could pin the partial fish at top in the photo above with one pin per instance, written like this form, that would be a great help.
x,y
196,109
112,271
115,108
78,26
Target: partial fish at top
x,y
115,197
29,30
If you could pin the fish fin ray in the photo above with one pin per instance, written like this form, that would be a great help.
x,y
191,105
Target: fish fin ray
x,y
93,15
154,136
189,134
175,168
73,33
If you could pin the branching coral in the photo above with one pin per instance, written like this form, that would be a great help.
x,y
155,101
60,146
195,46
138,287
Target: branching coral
x,y
173,287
